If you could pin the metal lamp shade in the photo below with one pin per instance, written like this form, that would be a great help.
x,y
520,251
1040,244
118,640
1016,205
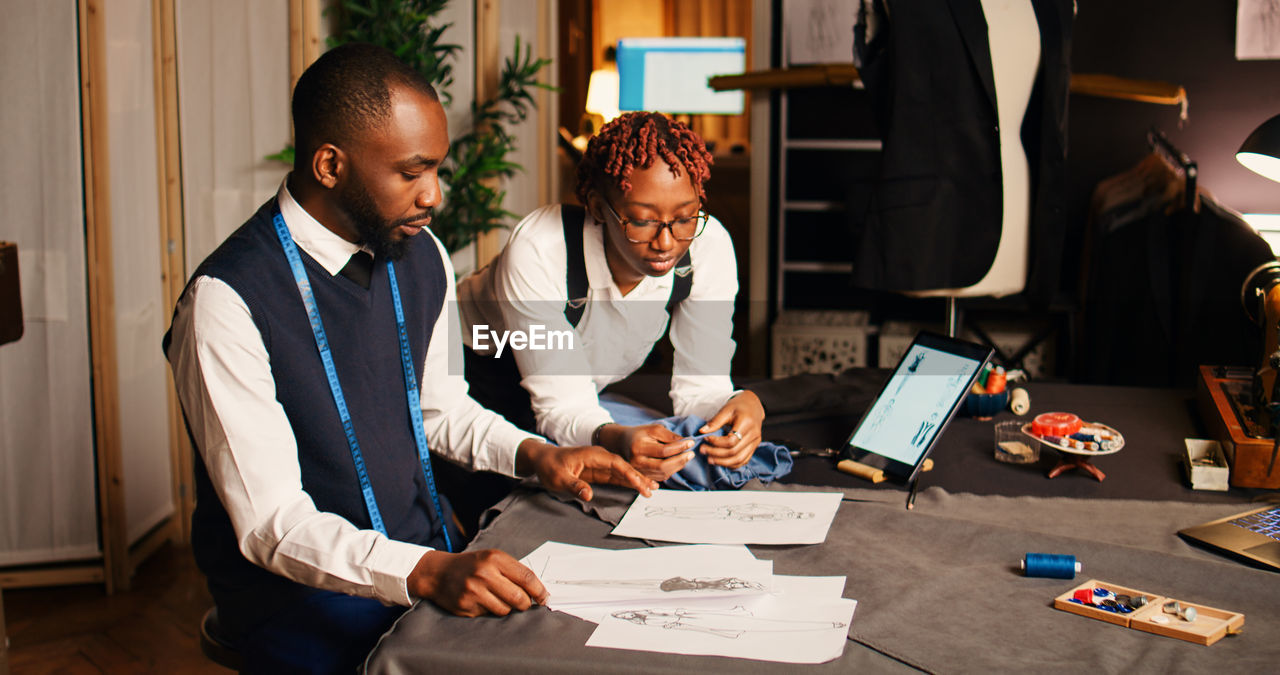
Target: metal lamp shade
x,y
1261,150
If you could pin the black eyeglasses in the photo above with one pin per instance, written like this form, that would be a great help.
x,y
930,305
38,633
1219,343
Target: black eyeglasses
x,y
643,231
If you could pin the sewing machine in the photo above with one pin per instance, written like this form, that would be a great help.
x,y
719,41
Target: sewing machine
x,y
1241,407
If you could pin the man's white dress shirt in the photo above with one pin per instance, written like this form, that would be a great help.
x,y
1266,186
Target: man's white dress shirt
x,y
224,380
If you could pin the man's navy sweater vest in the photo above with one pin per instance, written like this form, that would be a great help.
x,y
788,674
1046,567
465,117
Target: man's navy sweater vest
x,y
361,328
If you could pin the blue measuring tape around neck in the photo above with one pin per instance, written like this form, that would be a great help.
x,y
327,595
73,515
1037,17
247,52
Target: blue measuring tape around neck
x,y
331,372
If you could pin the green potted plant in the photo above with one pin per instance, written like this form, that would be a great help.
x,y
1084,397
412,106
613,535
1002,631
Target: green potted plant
x,y
477,161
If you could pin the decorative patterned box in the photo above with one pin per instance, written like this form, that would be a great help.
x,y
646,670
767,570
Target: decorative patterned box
x,y
819,342
896,336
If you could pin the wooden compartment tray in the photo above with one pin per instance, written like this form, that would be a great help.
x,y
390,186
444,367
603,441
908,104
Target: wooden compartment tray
x,y
1211,624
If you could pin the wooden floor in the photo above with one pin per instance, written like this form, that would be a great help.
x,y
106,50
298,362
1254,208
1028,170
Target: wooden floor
x,y
153,628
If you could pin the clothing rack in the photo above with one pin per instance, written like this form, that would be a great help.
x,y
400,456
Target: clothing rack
x,y
1178,160
846,74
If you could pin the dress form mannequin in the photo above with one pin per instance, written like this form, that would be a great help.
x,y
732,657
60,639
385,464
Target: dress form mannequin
x,y
1014,39
933,217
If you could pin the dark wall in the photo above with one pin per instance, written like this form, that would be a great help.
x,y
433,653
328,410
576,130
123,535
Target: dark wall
x,y
1127,335
1185,42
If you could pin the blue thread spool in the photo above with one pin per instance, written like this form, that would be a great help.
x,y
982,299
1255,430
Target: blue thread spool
x,y
1050,565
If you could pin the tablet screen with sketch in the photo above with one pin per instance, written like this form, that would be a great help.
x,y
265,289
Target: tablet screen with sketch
x,y
916,404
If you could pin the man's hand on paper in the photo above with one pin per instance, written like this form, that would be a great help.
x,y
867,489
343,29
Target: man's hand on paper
x,y
474,583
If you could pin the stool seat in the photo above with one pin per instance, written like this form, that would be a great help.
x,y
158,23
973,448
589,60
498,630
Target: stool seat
x,y
214,643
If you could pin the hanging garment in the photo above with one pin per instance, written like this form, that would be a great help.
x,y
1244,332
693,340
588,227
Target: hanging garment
x,y
933,219
1162,292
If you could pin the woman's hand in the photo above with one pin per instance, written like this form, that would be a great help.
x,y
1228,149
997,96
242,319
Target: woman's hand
x,y
743,414
656,451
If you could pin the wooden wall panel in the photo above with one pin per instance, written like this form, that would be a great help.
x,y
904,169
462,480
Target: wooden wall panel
x,y
172,262
102,334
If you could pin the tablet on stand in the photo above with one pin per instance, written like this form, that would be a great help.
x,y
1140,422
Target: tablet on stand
x,y
909,414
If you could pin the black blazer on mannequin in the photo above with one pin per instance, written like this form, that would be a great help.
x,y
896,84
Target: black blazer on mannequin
x,y
933,218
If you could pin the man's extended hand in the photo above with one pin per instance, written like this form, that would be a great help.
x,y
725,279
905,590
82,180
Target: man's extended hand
x,y
655,450
570,470
742,414
476,582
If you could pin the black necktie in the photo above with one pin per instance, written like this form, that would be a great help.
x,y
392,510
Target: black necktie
x,y
359,268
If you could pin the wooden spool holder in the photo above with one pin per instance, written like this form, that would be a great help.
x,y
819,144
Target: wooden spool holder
x,y
871,473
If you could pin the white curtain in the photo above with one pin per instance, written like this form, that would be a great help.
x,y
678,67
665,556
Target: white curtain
x,y
233,90
48,504
140,314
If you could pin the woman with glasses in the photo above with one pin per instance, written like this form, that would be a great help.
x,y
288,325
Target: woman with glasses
x,y
649,262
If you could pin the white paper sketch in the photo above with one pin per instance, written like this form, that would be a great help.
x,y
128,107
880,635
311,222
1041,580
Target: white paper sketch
x,y
815,589
1258,29
725,517
729,624
742,512
819,31
660,573
784,629
538,557
672,584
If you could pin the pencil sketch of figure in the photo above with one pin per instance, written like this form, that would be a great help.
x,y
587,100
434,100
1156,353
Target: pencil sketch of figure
x,y
709,584
722,623
669,585
751,511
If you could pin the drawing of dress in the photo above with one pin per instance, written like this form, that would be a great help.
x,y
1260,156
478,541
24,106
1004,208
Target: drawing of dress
x,y
922,434
708,584
669,585
722,623
751,511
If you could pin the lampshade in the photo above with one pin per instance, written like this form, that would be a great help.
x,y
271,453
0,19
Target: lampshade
x,y
602,94
1261,150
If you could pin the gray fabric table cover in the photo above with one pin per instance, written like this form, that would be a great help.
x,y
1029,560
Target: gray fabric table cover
x,y
820,411
938,590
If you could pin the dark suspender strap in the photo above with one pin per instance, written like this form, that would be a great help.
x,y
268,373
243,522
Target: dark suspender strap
x,y
572,218
683,282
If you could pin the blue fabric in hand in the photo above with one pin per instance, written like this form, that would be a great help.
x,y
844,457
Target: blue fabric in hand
x,y
770,460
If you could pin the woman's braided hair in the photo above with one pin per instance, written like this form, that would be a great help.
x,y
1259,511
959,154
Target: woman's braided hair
x,y
636,140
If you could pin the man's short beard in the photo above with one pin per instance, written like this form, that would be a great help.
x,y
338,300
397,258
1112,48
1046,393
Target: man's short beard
x,y
375,232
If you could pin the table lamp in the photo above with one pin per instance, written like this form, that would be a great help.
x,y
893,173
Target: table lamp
x,y
1261,150
1260,153
602,94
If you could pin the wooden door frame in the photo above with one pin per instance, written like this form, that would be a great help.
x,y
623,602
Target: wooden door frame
x,y
101,291
173,268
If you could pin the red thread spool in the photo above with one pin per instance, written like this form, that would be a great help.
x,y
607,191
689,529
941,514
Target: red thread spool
x,y
1055,424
